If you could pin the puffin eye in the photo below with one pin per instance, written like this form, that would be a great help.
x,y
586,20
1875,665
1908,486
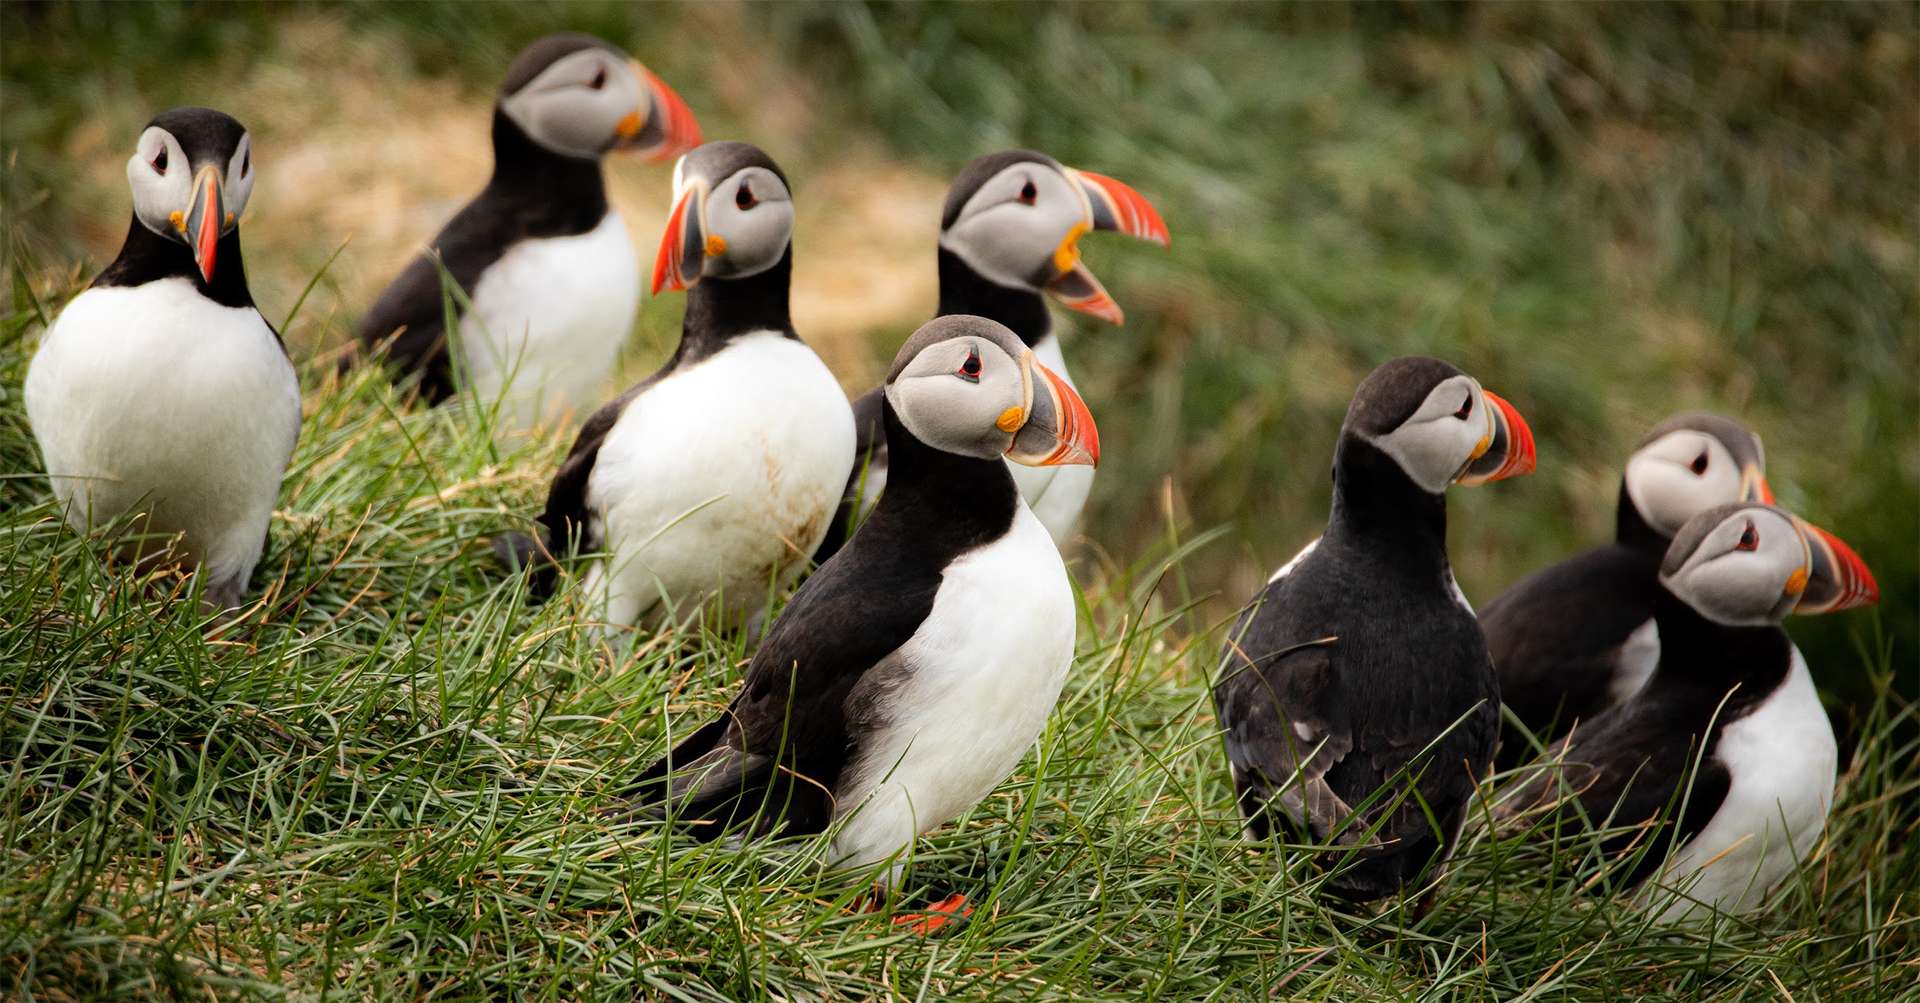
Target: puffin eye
x,y
1749,539
1699,466
599,79
743,198
246,161
160,160
1028,193
970,369
1466,408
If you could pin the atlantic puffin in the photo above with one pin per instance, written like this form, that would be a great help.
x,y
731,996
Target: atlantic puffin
x,y
161,391
719,473
1009,238
1360,663
1578,637
1731,695
909,674
548,279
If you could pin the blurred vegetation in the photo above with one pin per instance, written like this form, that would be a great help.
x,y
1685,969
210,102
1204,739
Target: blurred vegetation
x,y
1607,213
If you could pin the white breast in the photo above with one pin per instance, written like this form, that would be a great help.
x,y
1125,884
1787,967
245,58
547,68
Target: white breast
x,y
1287,568
1057,494
719,478
984,671
547,323
155,396
1783,762
1639,655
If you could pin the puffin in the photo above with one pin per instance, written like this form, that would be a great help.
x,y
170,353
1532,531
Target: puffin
x,y
160,392
547,278
1009,239
910,673
1577,637
1724,757
1360,665
718,474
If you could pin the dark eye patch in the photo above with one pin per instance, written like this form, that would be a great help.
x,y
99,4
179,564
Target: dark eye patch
x,y
1029,192
970,369
1466,408
1699,466
160,160
1749,538
599,79
743,198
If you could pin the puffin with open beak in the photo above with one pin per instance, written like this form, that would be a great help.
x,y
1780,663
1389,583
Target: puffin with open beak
x,y
908,675
1359,669
1009,240
1725,752
1576,638
161,391
548,281
718,474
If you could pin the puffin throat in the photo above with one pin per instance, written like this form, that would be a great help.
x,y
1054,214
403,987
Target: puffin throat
x,y
965,291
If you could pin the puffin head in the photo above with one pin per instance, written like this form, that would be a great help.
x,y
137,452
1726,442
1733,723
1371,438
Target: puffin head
x,y
1016,218
1749,564
578,96
1438,425
191,173
732,217
967,385
1691,463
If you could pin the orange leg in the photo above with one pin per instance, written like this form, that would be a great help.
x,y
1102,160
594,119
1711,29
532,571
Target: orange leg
x,y
948,910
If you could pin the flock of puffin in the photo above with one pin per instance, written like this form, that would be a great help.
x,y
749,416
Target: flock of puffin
x,y
1359,694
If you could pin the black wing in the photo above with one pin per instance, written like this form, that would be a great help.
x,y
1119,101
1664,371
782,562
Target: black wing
x,y
1631,768
869,460
778,751
1554,637
1286,721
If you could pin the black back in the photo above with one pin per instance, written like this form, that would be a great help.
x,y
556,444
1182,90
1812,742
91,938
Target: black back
x,y
1406,664
206,136
797,722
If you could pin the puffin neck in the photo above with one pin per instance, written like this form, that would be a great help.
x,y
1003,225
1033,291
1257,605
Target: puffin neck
x,y
1631,528
968,501
553,194
965,291
1697,652
148,257
720,310
1374,500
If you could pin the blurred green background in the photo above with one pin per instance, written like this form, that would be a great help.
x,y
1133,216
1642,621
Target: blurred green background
x,y
1606,213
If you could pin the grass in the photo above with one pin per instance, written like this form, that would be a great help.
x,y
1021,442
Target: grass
x,y
392,780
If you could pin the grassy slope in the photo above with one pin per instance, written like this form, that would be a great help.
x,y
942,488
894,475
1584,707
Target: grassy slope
x,y
393,784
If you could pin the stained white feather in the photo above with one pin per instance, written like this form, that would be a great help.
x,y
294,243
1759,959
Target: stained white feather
x,y
984,671
722,477
547,323
157,398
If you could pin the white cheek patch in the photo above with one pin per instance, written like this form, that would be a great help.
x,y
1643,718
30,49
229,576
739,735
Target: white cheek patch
x,y
240,172
1010,242
561,112
1432,446
1741,588
1664,487
157,196
755,237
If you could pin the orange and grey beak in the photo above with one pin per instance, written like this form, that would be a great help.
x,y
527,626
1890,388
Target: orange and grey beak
x,y
1506,450
1111,205
1835,577
205,220
1754,486
1055,428
664,127
684,247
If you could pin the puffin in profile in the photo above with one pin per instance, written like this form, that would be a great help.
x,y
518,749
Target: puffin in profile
x,y
1009,238
719,473
160,391
1731,695
1575,638
548,279
1360,665
907,677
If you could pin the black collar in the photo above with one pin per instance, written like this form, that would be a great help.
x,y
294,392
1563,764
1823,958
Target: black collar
x,y
965,291
1699,654
1375,499
147,257
720,310
1631,529
550,194
937,505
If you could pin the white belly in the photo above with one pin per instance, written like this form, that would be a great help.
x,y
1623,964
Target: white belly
x,y
547,323
719,479
984,672
1783,762
1057,494
154,398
